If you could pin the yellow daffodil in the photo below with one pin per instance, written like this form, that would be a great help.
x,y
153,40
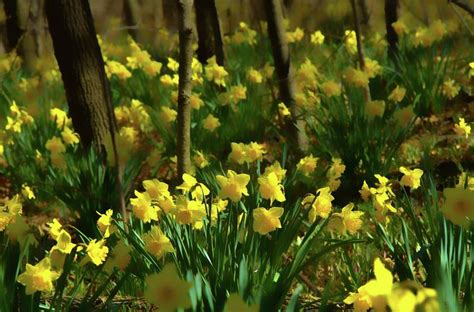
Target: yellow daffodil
x,y
211,123
142,207
97,251
254,76
277,170
189,211
233,186
266,220
458,206
462,128
331,88
321,204
167,290
307,165
411,178
235,303
317,38
270,188
38,277
346,221
119,257
190,184
157,243
397,94
55,146
27,192
104,223
69,137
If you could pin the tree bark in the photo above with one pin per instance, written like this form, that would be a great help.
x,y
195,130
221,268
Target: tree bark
x,y
131,12
391,16
170,14
364,11
13,31
185,27
209,32
281,58
360,49
87,89
82,68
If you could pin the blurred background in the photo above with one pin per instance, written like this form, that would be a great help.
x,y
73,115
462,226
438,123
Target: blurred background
x,y
143,19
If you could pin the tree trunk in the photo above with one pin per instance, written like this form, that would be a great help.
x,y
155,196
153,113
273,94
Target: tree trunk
x,y
81,64
281,58
131,12
82,68
360,49
13,31
209,32
391,17
18,16
185,27
364,11
170,14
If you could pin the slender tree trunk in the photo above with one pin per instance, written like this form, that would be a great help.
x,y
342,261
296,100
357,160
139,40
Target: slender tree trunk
x,y
281,57
170,14
81,64
185,26
360,49
209,32
391,16
364,11
13,31
131,12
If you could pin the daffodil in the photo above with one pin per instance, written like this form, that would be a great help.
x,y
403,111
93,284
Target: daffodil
x,y
69,137
119,257
189,211
462,128
307,165
411,178
365,192
168,115
374,293
233,186
277,170
346,220
458,206
283,110
211,123
64,243
266,220
235,303
397,94
38,277
104,223
54,228
157,243
55,146
142,207
317,38
321,204
97,251
270,188
190,184
331,88
166,290
27,192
